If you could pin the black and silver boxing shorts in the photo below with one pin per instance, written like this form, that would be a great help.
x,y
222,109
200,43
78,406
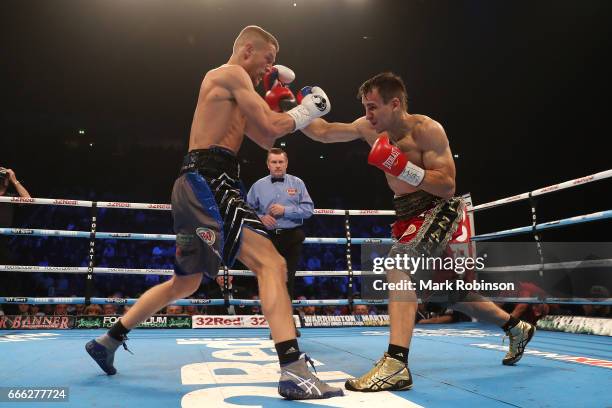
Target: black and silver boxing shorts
x,y
425,226
209,210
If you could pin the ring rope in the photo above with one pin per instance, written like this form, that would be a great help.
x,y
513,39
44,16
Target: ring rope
x,y
93,234
295,303
545,190
591,263
321,211
579,219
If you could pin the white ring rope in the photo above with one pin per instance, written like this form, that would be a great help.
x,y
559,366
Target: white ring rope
x,y
165,237
136,271
321,211
295,303
561,266
341,241
579,219
545,190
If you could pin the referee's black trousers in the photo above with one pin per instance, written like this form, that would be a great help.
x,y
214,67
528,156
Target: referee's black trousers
x,y
288,243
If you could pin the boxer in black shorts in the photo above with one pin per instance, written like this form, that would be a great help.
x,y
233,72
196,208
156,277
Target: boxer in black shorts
x,y
212,221
209,211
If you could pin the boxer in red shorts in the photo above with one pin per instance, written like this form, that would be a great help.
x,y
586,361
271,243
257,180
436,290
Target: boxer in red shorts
x,y
428,226
414,153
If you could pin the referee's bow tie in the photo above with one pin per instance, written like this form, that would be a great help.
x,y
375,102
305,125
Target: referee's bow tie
x,y
278,179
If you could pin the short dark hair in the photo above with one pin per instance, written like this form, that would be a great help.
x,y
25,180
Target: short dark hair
x,y
277,150
389,86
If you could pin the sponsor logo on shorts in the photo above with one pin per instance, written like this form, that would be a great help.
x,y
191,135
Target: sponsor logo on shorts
x,y
184,240
410,230
207,235
184,244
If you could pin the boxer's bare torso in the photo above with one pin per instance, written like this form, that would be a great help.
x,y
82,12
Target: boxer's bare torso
x,y
415,141
218,120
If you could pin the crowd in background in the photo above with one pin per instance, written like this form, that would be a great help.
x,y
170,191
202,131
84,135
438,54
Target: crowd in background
x,y
148,254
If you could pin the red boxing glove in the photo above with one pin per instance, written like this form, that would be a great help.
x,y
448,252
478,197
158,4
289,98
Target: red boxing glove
x,y
392,160
280,99
278,75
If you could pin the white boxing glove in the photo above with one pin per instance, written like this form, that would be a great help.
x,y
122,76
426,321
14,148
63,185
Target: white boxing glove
x,y
313,103
278,75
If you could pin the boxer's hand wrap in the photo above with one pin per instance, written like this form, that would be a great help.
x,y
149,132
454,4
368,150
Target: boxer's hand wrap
x,y
393,161
278,75
314,103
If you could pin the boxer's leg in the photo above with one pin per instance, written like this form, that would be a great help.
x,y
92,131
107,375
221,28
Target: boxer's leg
x,y
193,257
260,256
102,349
159,296
391,372
519,332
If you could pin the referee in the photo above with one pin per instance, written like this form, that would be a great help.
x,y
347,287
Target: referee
x,y
282,203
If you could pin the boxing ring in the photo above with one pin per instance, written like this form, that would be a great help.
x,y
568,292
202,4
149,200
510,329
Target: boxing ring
x,y
207,363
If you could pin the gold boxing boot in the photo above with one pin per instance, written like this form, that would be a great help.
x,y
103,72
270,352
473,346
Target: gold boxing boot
x,y
519,335
388,374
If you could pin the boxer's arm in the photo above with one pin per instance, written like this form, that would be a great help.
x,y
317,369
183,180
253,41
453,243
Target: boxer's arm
x,y
326,132
263,125
438,160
